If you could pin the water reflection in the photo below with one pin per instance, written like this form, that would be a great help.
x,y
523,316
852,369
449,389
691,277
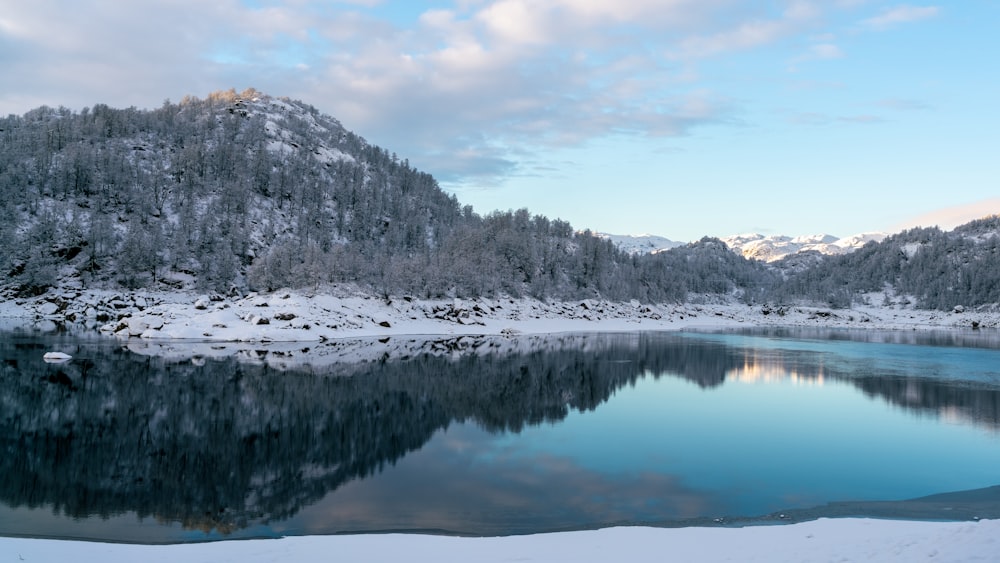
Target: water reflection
x,y
221,445
757,370
954,374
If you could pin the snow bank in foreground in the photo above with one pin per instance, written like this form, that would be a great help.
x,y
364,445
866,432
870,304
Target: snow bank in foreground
x,y
849,539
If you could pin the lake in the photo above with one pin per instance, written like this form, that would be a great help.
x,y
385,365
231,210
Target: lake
x,y
174,442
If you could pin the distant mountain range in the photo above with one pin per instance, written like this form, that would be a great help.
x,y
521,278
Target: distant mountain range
x,y
772,248
767,248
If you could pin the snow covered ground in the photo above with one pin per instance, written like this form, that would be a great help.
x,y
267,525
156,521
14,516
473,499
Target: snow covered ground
x,y
288,316
849,539
272,328
153,322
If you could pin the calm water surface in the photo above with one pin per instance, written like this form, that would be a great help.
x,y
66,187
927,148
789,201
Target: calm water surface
x,y
486,436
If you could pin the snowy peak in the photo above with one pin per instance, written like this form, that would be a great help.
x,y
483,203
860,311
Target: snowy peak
x,y
290,126
854,242
767,248
641,244
772,248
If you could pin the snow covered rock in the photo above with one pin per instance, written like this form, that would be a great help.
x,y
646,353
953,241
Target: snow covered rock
x,y
56,357
136,326
47,309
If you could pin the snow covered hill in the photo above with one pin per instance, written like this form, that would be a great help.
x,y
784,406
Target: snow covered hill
x,y
243,192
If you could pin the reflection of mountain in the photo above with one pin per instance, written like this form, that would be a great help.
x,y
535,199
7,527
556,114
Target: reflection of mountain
x,y
226,443
223,443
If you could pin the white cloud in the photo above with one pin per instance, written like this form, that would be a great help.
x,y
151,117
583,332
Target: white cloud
x,y
951,217
746,35
517,22
862,119
817,52
752,31
464,88
826,51
902,104
900,14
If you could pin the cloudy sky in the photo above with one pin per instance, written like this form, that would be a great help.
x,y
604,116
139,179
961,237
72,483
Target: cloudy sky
x,y
681,118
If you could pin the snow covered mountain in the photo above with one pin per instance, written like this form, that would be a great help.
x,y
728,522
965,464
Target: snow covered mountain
x,y
641,244
766,248
242,192
772,248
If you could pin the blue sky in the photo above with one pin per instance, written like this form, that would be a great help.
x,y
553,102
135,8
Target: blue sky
x,y
681,118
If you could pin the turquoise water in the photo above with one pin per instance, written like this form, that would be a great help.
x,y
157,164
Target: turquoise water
x,y
493,436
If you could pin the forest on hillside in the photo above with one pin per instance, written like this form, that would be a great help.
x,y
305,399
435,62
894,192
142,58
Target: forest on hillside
x,y
242,191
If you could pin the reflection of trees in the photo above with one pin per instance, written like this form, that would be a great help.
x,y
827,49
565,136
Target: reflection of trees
x,y
226,443
976,404
958,399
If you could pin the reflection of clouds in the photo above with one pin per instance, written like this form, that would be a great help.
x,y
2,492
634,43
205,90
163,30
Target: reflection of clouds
x,y
773,370
455,441
442,488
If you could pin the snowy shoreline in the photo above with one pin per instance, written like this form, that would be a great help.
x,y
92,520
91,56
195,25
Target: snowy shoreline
x,y
289,316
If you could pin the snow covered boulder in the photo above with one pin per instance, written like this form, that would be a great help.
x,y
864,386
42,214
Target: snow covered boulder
x,y
137,326
56,357
47,309
201,304
257,320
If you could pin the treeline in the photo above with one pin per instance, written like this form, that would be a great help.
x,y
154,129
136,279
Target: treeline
x,y
940,269
241,191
